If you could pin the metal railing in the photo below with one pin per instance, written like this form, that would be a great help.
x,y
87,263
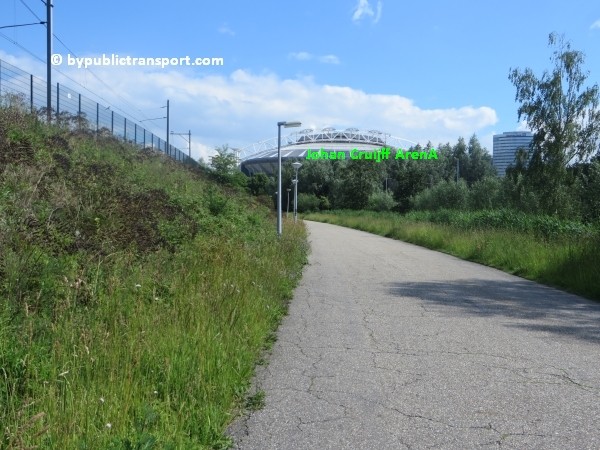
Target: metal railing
x,y
86,112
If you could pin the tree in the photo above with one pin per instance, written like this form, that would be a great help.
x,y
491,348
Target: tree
x,y
564,117
459,151
357,182
410,177
590,191
479,164
316,177
258,184
224,162
225,165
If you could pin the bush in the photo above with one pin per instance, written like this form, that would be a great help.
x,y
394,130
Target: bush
x,y
486,194
543,226
308,203
445,194
381,201
257,184
324,203
589,192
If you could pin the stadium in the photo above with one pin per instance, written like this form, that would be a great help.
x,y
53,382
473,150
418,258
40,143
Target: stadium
x,y
262,156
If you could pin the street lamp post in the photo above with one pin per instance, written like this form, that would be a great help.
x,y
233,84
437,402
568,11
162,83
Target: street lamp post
x,y
279,125
287,214
295,183
296,166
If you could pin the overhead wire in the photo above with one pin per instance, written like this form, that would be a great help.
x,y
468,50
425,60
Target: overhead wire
x,y
31,10
89,70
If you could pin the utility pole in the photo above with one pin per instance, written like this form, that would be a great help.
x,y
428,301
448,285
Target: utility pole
x,y
49,58
168,149
189,135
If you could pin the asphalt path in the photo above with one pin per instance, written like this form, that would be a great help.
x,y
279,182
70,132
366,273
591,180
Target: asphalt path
x,y
388,345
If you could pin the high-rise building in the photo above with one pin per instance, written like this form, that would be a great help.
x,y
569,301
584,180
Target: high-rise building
x,y
506,146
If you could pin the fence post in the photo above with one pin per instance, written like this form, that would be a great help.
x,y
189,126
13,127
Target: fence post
x,y
31,93
57,102
165,147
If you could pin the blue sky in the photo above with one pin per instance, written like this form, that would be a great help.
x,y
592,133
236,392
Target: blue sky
x,y
429,70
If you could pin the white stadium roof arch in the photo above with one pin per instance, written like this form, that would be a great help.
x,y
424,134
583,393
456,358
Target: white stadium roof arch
x,y
262,156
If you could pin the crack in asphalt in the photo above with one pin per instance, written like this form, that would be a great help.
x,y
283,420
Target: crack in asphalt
x,y
403,361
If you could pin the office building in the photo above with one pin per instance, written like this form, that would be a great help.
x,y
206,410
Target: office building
x,y
506,146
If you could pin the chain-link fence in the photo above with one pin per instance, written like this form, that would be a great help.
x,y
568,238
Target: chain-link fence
x,y
68,104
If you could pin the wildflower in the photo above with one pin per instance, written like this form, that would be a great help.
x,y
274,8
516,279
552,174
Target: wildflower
x,y
109,425
155,392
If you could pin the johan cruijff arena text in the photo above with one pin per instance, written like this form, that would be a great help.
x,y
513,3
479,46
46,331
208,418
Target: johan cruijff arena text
x,y
262,156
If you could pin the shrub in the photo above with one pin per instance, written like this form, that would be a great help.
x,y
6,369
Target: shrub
x,y
381,201
486,194
308,202
445,194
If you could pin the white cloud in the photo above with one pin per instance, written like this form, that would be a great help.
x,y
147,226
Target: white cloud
x,y
378,14
523,126
363,8
241,107
224,29
305,56
300,56
596,24
329,59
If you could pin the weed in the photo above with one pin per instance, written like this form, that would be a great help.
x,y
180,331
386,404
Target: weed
x,y
256,401
137,295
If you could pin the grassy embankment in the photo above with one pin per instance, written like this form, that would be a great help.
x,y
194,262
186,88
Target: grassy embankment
x,y
557,253
136,295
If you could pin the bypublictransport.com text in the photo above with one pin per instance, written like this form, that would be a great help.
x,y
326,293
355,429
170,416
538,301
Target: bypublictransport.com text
x,y
116,60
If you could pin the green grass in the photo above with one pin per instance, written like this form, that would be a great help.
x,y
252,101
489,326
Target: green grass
x,y
568,261
135,294
256,401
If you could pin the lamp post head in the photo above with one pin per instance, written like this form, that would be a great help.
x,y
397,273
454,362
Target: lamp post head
x,y
289,124
296,165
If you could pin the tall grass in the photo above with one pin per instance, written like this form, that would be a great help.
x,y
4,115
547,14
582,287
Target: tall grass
x,y
569,260
135,296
